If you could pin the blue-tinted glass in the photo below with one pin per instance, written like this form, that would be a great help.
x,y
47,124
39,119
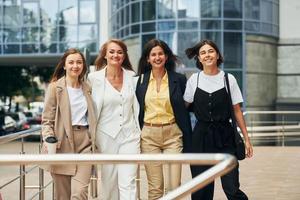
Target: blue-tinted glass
x,y
68,33
135,12
87,11
30,34
275,13
148,10
214,36
148,27
252,9
210,8
252,26
87,33
48,12
135,29
91,46
238,76
185,24
266,28
146,38
186,40
11,35
233,51
127,15
68,13
12,15
210,24
48,34
166,9
233,8
166,26
30,48
233,25
266,11
169,39
31,13
11,48
51,48
188,8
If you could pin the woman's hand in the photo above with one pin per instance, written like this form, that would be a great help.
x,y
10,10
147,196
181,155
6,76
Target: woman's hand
x,y
248,148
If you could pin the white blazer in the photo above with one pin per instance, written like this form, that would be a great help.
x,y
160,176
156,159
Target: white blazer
x,y
97,81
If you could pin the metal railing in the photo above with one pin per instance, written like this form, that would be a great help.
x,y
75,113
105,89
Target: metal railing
x,y
277,127
223,163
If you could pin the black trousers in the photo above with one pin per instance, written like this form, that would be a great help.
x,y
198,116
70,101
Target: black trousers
x,y
230,185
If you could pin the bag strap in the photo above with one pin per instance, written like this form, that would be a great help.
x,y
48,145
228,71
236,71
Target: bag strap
x,y
233,119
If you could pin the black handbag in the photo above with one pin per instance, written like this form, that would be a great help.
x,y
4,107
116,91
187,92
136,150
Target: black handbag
x,y
239,142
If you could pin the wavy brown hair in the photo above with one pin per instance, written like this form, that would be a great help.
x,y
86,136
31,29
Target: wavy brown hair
x,y
193,52
59,69
101,61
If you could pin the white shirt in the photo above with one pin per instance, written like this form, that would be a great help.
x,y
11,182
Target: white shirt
x,y
211,84
117,110
78,106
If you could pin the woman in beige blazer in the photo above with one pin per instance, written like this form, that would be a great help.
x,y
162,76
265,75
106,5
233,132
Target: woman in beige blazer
x,y
69,116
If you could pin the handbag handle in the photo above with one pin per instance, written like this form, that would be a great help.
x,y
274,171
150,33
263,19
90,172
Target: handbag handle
x,y
233,119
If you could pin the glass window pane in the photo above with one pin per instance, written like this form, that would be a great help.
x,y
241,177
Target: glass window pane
x,y
62,47
87,33
166,9
233,50
186,40
210,24
210,8
146,38
68,13
238,76
49,10
166,26
266,28
266,14
127,15
214,36
169,38
252,9
148,10
12,15
135,29
188,8
233,25
30,13
233,8
182,25
30,48
51,48
11,35
87,11
11,48
48,34
148,27
135,12
91,46
68,33
252,26
30,34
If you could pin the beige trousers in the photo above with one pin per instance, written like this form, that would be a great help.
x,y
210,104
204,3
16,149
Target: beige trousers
x,y
163,139
75,187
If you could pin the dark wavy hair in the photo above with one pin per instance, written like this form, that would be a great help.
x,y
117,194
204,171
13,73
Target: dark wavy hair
x,y
193,52
101,61
144,66
59,69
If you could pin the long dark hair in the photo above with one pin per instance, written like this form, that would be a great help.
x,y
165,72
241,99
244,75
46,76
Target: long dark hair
x,y
59,69
193,52
144,66
101,61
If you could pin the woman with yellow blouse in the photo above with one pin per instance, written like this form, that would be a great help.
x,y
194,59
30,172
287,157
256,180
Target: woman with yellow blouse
x,y
164,120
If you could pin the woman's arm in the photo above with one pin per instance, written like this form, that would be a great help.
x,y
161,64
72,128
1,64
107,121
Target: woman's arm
x,y
49,112
241,123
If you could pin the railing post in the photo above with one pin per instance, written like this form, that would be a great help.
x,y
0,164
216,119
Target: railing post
x,y
41,176
22,174
283,130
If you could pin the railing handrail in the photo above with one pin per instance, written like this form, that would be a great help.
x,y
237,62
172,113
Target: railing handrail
x,y
271,112
18,135
223,163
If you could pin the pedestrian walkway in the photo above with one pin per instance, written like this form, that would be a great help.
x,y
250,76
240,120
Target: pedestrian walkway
x,y
272,174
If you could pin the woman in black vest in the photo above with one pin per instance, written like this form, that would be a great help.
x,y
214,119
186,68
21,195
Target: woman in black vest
x,y
213,131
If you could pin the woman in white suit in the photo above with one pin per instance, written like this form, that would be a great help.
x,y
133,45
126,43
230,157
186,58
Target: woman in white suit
x,y
118,131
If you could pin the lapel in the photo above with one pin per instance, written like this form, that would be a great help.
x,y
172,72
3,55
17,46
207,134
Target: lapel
x,y
144,87
172,82
64,106
98,91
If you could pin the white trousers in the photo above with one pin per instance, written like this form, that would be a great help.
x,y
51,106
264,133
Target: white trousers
x,y
119,180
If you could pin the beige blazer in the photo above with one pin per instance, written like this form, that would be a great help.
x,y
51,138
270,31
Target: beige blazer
x,y
56,121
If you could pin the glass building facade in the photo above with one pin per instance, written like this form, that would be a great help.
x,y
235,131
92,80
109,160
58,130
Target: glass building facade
x,y
182,23
33,27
